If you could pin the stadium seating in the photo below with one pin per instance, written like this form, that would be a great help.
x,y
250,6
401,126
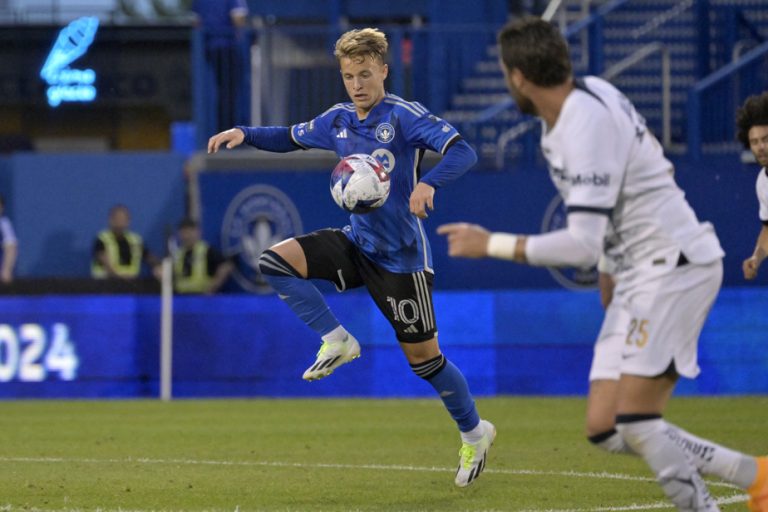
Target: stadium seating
x,y
700,37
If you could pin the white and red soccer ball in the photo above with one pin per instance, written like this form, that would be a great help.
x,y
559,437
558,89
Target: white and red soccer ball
x,y
359,183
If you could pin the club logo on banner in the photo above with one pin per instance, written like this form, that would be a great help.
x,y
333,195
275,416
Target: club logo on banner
x,y
256,218
556,217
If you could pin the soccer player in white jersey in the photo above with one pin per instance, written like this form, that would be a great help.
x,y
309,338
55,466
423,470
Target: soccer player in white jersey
x,y
752,126
622,203
385,250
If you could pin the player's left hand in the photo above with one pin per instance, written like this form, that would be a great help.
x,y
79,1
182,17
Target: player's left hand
x,y
422,197
466,240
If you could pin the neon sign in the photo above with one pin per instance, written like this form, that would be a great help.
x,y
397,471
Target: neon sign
x,y
65,84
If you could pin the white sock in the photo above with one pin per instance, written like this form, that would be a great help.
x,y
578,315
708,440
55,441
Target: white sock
x,y
475,435
710,458
338,334
674,471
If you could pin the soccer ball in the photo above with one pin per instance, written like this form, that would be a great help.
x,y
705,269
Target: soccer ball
x,y
359,183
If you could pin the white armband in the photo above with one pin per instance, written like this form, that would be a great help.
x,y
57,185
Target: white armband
x,y
502,246
603,265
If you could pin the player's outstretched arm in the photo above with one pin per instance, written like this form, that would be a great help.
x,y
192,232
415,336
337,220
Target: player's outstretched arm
x,y
231,138
473,241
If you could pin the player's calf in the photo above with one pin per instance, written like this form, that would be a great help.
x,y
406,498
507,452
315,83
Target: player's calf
x,y
677,476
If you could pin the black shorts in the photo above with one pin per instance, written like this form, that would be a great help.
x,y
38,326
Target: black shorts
x,y
405,299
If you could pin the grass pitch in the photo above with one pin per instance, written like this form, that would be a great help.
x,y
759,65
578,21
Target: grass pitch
x,y
317,455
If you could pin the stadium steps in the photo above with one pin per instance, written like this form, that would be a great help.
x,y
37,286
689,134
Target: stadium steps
x,y
636,24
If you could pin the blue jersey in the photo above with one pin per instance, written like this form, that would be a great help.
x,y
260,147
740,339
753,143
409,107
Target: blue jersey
x,y
396,132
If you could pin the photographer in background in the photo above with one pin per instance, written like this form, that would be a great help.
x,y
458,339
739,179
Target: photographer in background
x,y
9,246
197,267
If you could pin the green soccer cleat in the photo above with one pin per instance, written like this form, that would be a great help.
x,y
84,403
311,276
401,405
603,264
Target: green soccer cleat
x,y
331,356
474,455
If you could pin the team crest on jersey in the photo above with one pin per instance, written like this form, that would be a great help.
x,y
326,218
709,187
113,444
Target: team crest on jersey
x,y
385,158
385,132
257,218
556,217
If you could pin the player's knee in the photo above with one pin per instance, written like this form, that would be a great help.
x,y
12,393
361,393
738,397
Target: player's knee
x,y
429,368
600,424
272,264
610,441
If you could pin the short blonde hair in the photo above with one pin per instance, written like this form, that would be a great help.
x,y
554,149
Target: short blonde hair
x,y
359,44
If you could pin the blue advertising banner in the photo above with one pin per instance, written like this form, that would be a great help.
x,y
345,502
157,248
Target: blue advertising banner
x,y
506,342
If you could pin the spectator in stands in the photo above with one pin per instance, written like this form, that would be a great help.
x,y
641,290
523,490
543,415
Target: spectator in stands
x,y
119,252
9,247
222,22
752,125
197,267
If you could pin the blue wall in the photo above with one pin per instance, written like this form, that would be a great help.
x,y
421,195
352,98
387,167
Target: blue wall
x,y
721,190
508,342
58,204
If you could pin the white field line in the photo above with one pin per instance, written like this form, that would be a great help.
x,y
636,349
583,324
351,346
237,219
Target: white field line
x,y
324,465
736,498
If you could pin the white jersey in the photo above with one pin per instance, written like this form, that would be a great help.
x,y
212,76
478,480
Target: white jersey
x,y
603,160
762,193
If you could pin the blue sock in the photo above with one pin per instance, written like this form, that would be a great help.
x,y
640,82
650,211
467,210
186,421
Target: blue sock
x,y
452,387
300,294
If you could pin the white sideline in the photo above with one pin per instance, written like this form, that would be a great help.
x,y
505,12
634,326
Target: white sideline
x,y
736,498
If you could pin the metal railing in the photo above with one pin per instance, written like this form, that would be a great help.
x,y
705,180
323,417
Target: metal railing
x,y
294,77
725,98
666,82
589,29
524,127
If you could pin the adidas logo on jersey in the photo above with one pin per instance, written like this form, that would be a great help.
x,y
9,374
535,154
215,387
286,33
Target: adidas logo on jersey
x,y
411,330
342,134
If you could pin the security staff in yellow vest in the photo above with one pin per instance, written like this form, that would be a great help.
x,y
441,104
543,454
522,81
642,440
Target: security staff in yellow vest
x,y
197,267
119,252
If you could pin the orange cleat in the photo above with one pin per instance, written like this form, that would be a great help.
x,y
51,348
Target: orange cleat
x,y
758,491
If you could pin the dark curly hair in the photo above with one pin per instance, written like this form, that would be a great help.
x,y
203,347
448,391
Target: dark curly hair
x,y
754,112
537,49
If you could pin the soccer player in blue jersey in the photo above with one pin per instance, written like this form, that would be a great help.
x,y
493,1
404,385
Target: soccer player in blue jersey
x,y
385,250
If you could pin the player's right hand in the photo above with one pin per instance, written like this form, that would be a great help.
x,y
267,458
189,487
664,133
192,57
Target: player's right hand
x,y
231,138
750,268
605,284
465,240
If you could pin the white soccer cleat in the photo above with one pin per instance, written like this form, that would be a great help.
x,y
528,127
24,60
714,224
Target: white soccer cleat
x,y
332,355
474,455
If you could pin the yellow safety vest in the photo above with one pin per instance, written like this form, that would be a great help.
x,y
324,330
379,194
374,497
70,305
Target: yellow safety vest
x,y
112,250
198,279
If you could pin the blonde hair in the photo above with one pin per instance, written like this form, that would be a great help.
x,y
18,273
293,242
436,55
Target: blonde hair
x,y
359,44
